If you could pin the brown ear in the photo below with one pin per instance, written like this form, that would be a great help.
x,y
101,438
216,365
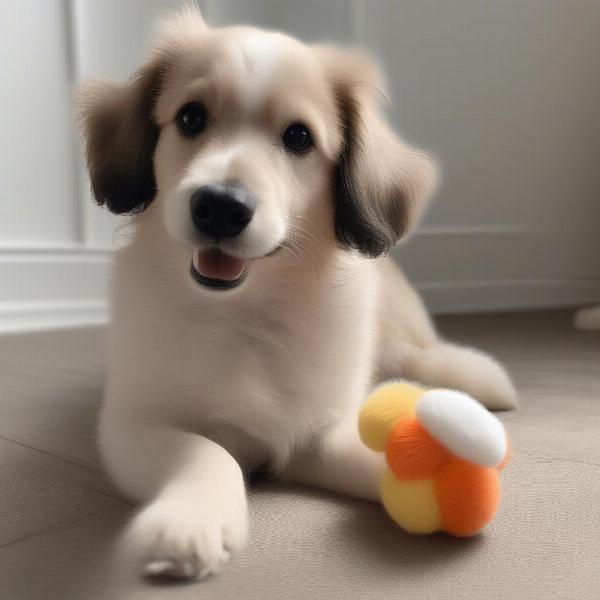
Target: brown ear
x,y
118,121
120,138
381,184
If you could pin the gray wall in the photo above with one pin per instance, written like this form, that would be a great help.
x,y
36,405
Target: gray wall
x,y
506,95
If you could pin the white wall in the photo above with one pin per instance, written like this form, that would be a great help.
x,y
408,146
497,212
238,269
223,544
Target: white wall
x,y
505,94
48,272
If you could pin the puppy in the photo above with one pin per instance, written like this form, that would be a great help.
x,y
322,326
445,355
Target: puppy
x,y
254,308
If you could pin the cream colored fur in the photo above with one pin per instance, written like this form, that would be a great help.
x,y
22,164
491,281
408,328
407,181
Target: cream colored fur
x,y
204,387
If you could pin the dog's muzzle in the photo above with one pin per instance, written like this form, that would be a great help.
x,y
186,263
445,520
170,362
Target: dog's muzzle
x,y
218,212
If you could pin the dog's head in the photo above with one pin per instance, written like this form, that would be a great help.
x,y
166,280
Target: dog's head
x,y
250,141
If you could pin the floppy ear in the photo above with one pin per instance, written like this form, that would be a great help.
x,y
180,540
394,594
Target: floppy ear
x,y
118,123
120,136
381,184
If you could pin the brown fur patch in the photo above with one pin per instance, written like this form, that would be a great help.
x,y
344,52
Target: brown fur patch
x,y
381,183
121,136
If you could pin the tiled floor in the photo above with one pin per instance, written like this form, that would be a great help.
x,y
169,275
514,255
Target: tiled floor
x,y
59,517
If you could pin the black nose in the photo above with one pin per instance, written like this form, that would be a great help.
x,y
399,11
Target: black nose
x,y
222,211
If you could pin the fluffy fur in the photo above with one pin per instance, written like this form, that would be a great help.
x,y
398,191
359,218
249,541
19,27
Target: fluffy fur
x,y
205,387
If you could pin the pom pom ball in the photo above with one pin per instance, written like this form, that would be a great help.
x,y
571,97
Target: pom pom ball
x,y
443,452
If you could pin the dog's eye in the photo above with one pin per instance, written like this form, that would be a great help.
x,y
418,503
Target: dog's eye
x,y
191,119
297,138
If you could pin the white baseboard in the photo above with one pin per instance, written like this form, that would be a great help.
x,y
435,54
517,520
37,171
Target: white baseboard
x,y
42,316
52,288
494,268
461,297
508,295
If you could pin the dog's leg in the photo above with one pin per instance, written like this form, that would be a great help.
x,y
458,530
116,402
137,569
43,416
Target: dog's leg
x,y
461,368
338,461
410,348
195,513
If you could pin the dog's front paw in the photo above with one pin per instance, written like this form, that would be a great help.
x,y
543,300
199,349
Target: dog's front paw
x,y
185,540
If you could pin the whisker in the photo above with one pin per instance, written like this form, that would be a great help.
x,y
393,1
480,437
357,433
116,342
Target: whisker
x,y
305,247
310,242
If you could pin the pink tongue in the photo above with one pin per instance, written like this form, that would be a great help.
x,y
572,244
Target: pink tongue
x,y
215,264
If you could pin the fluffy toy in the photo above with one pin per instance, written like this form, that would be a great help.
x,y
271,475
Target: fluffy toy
x,y
443,450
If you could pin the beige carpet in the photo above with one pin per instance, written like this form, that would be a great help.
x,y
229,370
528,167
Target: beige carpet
x,y
59,517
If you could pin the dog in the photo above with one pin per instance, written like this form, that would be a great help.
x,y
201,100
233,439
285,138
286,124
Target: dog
x,y
255,306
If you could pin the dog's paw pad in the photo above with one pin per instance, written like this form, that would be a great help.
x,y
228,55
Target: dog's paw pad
x,y
463,426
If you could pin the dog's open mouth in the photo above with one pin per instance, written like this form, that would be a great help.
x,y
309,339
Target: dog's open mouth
x,y
213,268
